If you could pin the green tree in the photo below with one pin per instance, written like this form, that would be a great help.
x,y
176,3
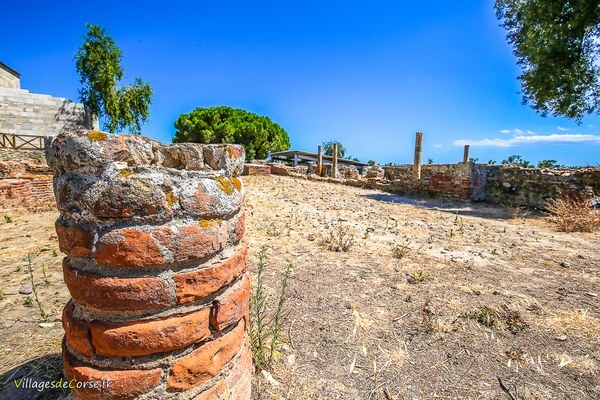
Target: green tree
x,y
98,63
491,162
557,45
223,124
549,164
328,147
517,160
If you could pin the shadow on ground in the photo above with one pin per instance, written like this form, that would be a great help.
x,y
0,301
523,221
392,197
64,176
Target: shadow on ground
x,y
23,381
481,210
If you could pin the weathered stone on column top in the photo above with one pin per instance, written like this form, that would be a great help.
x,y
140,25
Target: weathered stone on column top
x,y
88,150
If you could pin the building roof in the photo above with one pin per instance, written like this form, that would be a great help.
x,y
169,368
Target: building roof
x,y
10,70
308,156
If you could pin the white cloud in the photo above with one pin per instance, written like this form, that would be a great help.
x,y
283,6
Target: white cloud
x,y
518,131
438,146
560,128
524,140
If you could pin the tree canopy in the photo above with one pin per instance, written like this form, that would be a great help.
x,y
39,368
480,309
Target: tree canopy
x,y
98,63
328,148
557,45
223,124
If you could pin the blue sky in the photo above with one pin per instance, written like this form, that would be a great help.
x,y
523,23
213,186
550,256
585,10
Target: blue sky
x,y
369,74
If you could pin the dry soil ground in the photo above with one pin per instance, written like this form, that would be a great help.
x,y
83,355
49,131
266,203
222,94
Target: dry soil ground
x,y
431,300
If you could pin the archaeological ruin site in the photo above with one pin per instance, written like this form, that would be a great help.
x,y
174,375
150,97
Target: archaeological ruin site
x,y
293,206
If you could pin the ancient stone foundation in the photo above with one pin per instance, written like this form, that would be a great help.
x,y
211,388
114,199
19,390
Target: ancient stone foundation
x,y
155,267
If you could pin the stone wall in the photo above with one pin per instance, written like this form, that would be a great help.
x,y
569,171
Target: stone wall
x,y
25,180
25,113
450,181
533,187
8,79
155,267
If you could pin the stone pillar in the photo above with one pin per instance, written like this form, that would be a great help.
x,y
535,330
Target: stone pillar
x,y
418,150
320,161
155,267
335,156
466,154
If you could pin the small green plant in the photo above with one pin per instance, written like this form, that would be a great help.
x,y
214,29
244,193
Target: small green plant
x,y
27,302
18,268
417,276
34,290
54,253
266,318
7,219
1,295
400,251
46,280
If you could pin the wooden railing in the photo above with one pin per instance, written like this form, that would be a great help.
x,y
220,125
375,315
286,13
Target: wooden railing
x,y
25,142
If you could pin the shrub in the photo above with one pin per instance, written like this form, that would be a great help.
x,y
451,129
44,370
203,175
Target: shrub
x,y
223,124
573,214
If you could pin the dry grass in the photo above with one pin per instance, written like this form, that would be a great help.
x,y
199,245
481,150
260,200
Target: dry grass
x,y
574,214
574,323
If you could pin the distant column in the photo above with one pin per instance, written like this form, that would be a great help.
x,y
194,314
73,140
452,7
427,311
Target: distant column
x,y
466,154
320,161
418,150
295,159
335,155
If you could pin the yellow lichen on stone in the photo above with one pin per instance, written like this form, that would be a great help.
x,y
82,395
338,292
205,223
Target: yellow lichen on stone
x,y
171,198
125,173
227,185
237,183
96,136
209,223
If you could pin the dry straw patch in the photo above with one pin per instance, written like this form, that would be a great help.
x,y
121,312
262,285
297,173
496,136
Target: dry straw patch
x,y
574,214
575,323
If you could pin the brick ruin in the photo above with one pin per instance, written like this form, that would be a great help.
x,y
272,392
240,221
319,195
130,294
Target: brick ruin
x,y
155,267
25,180
494,184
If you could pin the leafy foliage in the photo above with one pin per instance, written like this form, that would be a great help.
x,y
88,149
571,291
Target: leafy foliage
x,y
557,46
98,63
517,160
549,164
328,147
223,124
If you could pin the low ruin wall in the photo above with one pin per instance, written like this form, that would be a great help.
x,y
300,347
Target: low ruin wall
x,y
155,267
533,187
496,184
25,180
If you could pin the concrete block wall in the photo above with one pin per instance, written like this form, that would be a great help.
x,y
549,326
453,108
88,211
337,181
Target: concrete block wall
x,y
155,267
25,113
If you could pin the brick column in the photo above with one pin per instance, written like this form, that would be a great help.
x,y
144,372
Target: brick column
x,y
155,267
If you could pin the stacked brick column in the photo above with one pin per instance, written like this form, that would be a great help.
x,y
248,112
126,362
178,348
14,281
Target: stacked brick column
x,y
155,267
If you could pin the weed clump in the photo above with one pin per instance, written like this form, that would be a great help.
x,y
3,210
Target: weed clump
x,y
339,239
267,315
417,276
499,318
573,214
